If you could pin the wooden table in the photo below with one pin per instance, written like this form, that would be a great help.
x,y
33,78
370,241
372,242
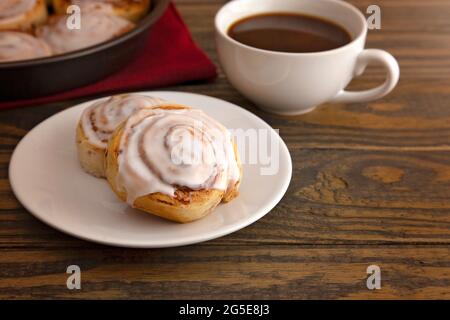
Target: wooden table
x,y
371,185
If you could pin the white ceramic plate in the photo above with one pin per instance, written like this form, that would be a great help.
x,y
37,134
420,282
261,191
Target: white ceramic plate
x,y
47,179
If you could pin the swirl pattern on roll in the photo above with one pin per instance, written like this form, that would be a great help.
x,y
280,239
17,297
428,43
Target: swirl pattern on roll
x,y
13,8
96,27
22,14
162,150
102,118
15,46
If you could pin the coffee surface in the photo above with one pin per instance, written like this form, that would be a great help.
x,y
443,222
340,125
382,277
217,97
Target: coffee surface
x,y
286,32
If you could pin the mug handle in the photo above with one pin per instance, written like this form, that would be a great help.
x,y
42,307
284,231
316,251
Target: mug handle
x,y
365,57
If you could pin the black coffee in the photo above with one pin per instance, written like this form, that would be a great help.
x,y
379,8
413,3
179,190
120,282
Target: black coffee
x,y
289,33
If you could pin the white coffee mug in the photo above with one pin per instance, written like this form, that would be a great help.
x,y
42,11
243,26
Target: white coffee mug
x,y
295,83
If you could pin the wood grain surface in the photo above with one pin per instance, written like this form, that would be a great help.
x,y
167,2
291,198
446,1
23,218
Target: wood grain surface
x,y
371,185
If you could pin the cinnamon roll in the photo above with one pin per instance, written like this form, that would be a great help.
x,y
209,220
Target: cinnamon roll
x,y
132,10
98,122
15,46
96,27
174,162
22,14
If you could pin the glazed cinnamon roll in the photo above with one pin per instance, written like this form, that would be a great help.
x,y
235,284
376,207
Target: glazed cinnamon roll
x,y
132,10
15,46
22,14
98,122
174,162
96,27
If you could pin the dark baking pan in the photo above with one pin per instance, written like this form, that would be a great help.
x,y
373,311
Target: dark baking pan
x,y
40,77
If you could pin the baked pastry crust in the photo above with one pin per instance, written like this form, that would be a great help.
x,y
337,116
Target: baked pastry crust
x,y
186,206
22,15
91,157
132,10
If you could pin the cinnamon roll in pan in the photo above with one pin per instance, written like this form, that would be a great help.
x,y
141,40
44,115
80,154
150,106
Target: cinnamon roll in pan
x,y
132,10
15,46
22,14
97,27
99,121
31,78
174,162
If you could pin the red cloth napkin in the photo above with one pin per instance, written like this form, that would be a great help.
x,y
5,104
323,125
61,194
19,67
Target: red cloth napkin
x,y
177,60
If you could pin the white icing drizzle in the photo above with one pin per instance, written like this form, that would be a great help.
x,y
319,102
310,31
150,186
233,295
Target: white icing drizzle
x,y
16,46
96,27
11,9
102,118
162,150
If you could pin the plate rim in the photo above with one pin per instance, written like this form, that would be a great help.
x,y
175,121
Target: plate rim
x,y
236,226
